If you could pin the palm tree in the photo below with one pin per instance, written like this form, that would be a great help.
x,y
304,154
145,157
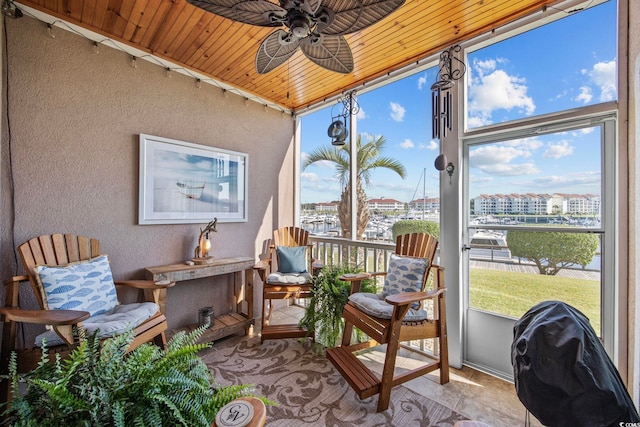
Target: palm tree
x,y
368,159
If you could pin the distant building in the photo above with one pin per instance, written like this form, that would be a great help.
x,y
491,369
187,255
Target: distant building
x,y
536,204
385,205
327,207
428,205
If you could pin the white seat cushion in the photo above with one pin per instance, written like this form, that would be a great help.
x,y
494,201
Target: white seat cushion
x,y
288,278
375,305
117,321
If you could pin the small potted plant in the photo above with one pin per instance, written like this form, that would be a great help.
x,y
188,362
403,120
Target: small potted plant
x,y
329,295
99,384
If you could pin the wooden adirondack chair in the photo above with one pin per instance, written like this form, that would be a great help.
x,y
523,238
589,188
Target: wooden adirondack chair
x,y
69,251
286,274
391,320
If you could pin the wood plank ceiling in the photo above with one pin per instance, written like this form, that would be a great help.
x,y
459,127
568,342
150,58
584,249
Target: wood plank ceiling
x,y
225,50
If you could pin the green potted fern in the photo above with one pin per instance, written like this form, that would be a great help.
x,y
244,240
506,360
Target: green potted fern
x,y
329,295
100,385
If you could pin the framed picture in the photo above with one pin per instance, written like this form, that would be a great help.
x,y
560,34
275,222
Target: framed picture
x,y
182,182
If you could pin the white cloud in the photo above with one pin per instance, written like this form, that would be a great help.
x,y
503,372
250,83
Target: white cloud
x,y
407,143
324,164
477,121
557,150
361,115
496,160
422,80
431,145
585,95
493,89
526,144
397,111
515,169
368,137
586,178
483,66
583,131
309,176
603,75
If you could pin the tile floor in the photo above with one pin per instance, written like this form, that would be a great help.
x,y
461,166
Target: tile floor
x,y
474,394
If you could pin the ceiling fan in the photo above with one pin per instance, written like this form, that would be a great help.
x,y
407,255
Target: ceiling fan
x,y
316,26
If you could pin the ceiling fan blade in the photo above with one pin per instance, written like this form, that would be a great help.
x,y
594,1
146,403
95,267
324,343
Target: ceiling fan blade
x,y
274,50
330,52
254,12
351,16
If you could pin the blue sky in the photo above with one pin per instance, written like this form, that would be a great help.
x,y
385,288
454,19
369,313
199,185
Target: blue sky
x,y
564,64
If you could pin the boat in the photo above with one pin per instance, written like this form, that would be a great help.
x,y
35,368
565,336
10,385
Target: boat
x,y
191,188
489,244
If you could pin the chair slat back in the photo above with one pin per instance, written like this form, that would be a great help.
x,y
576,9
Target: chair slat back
x,y
55,250
420,245
291,236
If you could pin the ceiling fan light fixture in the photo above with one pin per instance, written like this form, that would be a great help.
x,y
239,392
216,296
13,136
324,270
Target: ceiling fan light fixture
x,y
300,26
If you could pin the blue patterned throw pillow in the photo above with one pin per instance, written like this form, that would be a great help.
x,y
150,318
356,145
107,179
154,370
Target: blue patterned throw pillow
x,y
86,286
405,274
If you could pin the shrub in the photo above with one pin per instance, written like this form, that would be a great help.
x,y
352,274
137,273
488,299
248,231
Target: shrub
x,y
407,226
329,295
552,251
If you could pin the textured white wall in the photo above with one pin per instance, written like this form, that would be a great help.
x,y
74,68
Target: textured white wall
x,y
74,121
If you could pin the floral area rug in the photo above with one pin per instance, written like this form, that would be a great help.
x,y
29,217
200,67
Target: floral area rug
x,y
310,391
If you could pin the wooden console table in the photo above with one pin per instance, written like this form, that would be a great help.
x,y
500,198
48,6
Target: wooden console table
x,y
242,270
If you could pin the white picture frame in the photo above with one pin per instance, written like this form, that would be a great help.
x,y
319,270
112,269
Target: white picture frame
x,y
182,183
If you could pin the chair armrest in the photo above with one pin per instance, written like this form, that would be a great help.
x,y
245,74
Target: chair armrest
x,y
15,279
378,273
263,264
411,297
44,317
355,279
144,284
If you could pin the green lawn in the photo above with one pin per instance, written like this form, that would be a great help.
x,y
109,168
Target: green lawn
x,y
512,294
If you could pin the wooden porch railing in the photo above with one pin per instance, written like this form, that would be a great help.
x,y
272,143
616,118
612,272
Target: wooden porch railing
x,y
368,256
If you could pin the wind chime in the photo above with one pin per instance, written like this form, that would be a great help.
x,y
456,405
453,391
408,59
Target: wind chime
x,y
451,70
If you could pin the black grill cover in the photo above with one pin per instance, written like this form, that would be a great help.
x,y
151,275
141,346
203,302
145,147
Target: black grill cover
x,y
562,373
